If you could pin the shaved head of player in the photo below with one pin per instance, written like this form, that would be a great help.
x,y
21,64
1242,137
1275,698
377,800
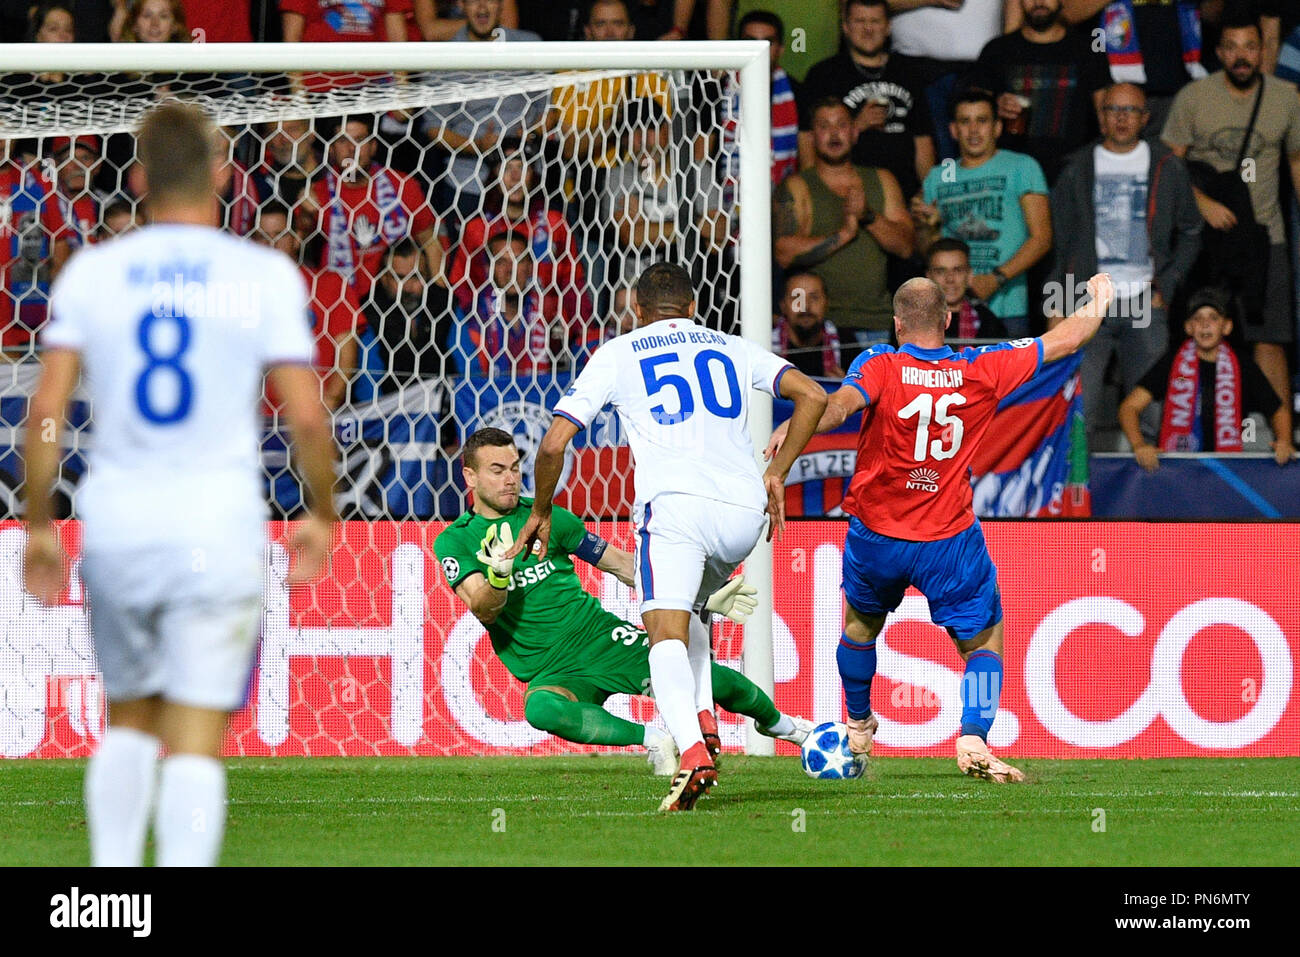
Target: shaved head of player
x,y
921,313
490,464
173,516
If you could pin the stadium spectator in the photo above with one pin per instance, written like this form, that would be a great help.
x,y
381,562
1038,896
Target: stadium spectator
x,y
411,318
51,23
1048,81
582,134
1124,206
943,38
1206,390
514,202
1152,43
995,200
643,205
120,216
765,25
838,220
359,208
335,312
802,333
77,162
1204,128
360,21
471,130
443,19
883,92
240,199
506,332
33,247
289,160
155,21
218,21
948,265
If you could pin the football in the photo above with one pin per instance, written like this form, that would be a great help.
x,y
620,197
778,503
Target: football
x,y
825,753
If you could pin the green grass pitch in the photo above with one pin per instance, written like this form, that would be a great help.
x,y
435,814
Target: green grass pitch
x,y
602,810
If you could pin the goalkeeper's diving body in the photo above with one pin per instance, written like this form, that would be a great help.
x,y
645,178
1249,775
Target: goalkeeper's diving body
x,y
553,634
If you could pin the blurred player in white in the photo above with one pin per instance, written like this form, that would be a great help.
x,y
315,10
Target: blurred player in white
x,y
173,511
682,396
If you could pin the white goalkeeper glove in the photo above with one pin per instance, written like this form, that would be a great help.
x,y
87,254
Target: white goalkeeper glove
x,y
735,600
492,553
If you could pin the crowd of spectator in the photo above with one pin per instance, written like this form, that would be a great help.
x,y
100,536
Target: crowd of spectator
x,y
1007,149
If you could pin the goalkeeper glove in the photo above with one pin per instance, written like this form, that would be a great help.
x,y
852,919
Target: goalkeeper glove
x,y
734,600
492,553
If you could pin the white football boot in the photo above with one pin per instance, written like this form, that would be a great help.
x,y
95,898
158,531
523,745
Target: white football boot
x,y
975,758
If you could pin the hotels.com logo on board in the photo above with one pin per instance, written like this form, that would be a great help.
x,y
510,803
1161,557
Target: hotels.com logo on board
x,y
1110,651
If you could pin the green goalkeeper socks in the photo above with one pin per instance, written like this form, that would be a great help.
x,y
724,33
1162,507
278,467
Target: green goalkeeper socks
x,y
739,695
576,721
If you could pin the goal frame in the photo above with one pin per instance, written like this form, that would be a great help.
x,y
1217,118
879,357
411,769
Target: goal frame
x,y
748,57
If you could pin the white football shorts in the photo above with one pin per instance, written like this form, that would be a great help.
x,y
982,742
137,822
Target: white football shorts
x,y
176,621
688,546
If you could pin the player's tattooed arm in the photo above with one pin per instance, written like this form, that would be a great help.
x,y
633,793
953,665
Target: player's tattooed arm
x,y
482,599
620,564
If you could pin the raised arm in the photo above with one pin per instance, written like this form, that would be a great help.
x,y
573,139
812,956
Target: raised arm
x,y
484,600
1074,331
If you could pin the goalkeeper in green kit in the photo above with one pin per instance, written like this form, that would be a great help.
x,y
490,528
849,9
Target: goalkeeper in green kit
x,y
553,634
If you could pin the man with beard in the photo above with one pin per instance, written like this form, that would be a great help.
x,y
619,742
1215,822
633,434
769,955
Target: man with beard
x,y
359,208
508,331
884,94
803,335
839,220
1207,124
77,160
411,318
1048,81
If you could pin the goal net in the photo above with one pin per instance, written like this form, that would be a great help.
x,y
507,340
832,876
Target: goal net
x,y
468,223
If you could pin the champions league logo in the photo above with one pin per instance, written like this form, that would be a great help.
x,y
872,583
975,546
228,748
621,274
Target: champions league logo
x,y
528,423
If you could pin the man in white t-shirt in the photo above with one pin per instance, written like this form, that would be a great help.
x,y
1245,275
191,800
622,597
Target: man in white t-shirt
x,y
1125,206
174,326
682,393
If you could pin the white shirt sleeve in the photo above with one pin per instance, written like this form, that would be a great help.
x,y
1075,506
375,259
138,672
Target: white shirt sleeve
x,y
766,369
68,311
591,391
284,321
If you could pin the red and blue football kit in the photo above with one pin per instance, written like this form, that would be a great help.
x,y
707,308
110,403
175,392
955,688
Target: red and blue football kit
x,y
910,496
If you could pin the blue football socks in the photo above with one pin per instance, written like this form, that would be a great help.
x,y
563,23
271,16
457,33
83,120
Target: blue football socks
x,y
981,687
857,664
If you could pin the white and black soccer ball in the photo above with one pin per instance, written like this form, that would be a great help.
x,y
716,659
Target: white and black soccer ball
x,y
825,753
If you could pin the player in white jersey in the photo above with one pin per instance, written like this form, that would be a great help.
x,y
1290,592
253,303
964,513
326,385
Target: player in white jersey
x,y
682,396
173,326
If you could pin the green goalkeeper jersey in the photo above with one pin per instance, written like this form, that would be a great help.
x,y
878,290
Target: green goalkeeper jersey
x,y
548,615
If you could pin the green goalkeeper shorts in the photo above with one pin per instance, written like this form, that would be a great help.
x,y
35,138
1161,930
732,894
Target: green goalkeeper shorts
x,y
614,659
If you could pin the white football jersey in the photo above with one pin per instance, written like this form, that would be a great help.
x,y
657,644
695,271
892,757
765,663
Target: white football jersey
x,y
682,396
175,324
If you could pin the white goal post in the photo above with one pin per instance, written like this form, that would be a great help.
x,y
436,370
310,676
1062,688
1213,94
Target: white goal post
x,y
753,131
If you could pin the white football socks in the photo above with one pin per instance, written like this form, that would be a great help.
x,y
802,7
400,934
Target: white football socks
x,y
119,792
700,653
674,688
191,815
784,726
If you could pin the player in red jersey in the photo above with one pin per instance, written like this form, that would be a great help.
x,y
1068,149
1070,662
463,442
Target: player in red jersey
x,y
927,409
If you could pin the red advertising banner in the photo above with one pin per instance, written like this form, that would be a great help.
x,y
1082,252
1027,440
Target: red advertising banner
x,y
1122,640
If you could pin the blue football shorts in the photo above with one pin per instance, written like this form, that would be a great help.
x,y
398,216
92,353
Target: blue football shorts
x,y
956,575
